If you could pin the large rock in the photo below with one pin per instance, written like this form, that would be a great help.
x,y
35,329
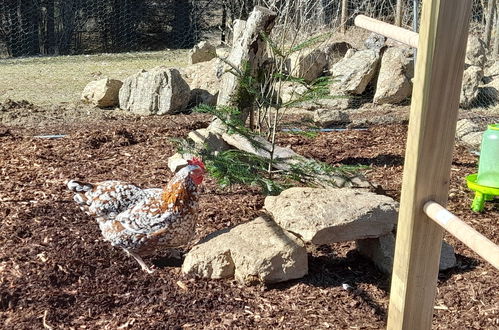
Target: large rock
x,y
475,52
337,99
290,91
469,132
465,127
323,216
102,93
178,161
381,250
336,51
202,52
375,41
469,89
256,251
155,92
492,71
204,81
357,71
394,84
205,139
473,139
307,64
489,92
328,117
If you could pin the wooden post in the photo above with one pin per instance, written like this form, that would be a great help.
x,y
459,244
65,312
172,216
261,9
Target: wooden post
x,y
488,24
344,14
432,124
398,13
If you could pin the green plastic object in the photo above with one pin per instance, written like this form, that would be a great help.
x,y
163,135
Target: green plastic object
x,y
482,193
488,165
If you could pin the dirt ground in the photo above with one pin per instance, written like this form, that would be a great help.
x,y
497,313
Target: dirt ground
x,y
57,272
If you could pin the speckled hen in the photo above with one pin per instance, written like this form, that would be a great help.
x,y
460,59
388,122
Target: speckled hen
x,y
144,220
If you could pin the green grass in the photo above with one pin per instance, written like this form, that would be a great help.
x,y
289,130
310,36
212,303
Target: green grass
x,y
61,79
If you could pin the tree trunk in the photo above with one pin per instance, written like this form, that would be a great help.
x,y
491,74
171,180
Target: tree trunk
x,y
67,23
10,28
223,24
49,35
344,14
496,41
247,57
182,29
28,42
398,13
488,24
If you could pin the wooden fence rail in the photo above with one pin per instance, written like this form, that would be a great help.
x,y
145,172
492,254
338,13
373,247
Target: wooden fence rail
x,y
388,30
465,233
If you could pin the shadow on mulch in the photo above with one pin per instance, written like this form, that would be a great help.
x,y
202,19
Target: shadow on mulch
x,y
350,273
464,265
379,160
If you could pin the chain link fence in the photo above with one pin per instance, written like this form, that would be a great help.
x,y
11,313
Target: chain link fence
x,y
116,38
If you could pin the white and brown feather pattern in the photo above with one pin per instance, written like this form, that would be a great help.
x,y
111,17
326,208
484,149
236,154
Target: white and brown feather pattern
x,y
108,198
142,220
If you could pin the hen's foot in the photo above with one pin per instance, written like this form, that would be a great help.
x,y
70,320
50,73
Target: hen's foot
x,y
140,261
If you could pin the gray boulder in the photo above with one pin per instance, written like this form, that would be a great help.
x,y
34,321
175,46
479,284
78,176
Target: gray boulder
x,y
336,51
381,251
204,80
326,117
256,251
324,216
202,52
156,92
394,84
356,72
307,64
469,89
102,93
469,132
178,161
475,52
465,127
290,91
489,92
375,41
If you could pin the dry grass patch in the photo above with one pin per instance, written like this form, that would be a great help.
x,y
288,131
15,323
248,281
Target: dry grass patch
x,y
61,79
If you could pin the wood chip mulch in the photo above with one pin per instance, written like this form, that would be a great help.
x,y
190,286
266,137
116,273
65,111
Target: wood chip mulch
x,y
57,272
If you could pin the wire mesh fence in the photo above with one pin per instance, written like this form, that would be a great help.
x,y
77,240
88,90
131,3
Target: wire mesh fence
x,y
119,37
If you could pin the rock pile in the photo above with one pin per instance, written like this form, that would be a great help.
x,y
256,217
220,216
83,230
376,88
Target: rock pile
x,y
385,70
272,249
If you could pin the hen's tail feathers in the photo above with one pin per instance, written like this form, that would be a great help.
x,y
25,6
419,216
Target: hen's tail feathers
x,y
78,186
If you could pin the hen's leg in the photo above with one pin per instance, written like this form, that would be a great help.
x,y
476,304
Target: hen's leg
x,y
140,261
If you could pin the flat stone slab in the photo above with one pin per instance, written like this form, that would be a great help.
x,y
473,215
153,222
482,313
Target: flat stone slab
x,y
324,216
253,252
381,250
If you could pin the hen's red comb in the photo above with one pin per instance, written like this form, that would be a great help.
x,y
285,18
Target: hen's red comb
x,y
196,161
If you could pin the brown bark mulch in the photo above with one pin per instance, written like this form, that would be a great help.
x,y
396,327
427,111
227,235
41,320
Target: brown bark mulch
x,y
57,272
